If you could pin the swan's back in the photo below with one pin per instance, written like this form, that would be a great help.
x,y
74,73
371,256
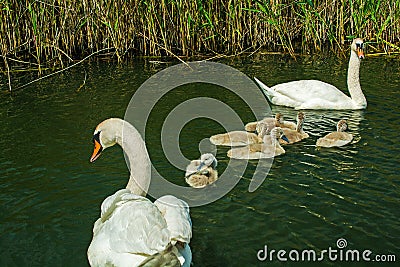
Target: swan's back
x,y
303,90
203,178
130,228
297,135
335,139
307,94
255,151
235,138
338,138
268,149
293,136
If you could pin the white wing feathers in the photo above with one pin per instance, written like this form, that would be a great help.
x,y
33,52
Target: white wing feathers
x,y
176,214
131,228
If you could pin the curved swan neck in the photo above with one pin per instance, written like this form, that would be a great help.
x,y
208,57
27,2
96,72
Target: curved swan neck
x,y
139,162
299,126
353,81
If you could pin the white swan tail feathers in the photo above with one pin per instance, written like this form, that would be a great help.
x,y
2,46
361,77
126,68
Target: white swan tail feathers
x,y
168,258
269,93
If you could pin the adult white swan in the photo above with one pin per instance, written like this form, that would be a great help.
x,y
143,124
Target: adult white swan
x,y
133,231
314,94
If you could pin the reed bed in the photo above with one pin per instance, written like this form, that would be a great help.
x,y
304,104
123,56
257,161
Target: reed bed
x,y
47,32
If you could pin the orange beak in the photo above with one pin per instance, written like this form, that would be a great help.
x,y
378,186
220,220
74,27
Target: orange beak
x,y
97,151
360,53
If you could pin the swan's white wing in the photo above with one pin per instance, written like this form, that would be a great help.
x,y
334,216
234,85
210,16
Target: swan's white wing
x,y
130,228
304,91
177,216
307,94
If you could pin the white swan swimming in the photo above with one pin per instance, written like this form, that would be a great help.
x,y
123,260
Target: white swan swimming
x,y
297,135
201,172
133,231
338,138
269,149
278,121
314,94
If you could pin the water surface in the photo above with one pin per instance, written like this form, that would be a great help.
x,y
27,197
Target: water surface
x,y
51,195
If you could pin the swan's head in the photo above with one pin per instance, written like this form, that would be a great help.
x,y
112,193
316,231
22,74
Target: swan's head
x,y
279,117
207,160
105,135
342,126
277,133
358,47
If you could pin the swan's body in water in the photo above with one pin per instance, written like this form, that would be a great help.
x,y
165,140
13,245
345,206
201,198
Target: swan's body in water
x,y
278,121
297,135
201,172
269,149
235,138
338,138
314,94
131,230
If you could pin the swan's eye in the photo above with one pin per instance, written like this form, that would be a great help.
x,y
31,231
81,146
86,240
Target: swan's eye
x,y
96,137
360,45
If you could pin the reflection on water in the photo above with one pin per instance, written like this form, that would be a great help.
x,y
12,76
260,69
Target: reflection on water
x,y
312,196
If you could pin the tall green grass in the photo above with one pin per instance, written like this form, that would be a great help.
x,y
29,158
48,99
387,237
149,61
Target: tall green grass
x,y
57,31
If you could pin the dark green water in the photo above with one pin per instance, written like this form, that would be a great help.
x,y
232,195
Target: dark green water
x,y
50,194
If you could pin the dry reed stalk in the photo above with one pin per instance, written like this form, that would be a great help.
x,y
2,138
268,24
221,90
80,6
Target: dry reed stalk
x,y
54,32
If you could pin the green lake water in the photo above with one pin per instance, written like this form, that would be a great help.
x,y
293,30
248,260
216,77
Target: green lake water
x,y
50,194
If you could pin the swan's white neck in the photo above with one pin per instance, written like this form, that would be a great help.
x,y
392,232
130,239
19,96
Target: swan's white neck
x,y
139,162
353,81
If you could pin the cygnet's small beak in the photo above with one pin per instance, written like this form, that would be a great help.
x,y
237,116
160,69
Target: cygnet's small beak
x,y
97,151
283,137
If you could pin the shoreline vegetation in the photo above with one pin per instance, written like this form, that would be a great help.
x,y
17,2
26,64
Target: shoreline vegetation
x,y
54,33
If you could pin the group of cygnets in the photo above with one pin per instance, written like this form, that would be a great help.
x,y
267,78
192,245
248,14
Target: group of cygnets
x,y
262,139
